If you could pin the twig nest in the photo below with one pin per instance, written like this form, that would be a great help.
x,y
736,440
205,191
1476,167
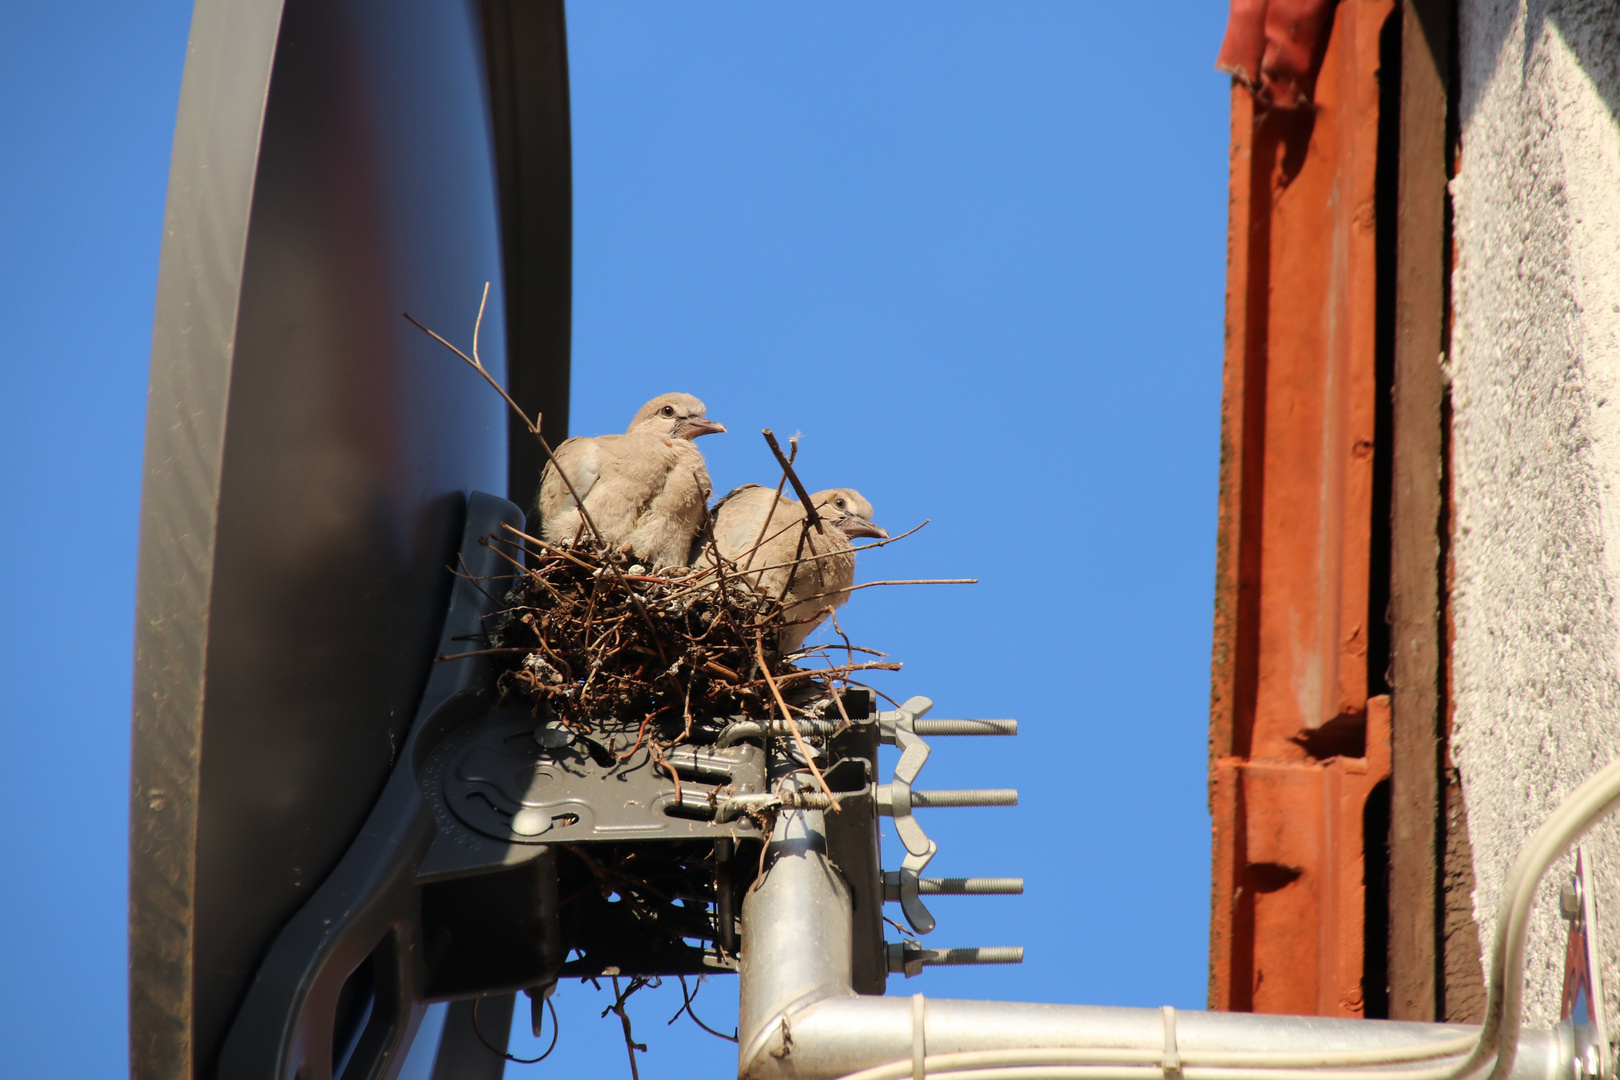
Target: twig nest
x,y
596,646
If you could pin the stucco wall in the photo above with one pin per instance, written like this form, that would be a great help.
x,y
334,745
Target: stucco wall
x,y
1535,368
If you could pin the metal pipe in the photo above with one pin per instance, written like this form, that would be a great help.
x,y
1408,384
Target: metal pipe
x,y
797,939
800,1019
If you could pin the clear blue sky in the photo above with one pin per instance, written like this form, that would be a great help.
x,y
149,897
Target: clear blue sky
x,y
973,252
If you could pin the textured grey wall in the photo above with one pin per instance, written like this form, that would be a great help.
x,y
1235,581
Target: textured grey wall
x,y
1535,370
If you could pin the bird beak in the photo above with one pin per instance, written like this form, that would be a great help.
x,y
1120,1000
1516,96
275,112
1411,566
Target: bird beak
x,y
692,428
853,526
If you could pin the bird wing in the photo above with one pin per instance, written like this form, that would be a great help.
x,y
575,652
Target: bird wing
x,y
737,492
739,517
581,461
821,581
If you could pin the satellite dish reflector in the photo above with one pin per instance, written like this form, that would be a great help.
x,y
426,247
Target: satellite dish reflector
x,y
310,454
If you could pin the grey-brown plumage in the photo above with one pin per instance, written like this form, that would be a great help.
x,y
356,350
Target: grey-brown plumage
x,y
760,534
645,489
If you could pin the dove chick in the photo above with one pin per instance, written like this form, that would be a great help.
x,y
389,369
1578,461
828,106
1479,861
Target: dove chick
x,y
645,490
760,533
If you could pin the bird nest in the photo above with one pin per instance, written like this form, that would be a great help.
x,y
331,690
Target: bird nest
x,y
592,642
621,663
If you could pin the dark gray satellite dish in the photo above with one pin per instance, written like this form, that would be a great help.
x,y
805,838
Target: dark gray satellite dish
x,y
310,455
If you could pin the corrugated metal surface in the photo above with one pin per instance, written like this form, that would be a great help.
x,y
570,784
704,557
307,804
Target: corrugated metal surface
x,y
1298,730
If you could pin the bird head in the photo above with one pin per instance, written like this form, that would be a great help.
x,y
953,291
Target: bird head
x,y
846,511
674,416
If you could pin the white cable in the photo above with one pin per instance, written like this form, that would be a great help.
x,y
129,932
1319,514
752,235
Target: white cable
x,y
1590,802
1149,1064
1082,1072
1385,1055
1093,1064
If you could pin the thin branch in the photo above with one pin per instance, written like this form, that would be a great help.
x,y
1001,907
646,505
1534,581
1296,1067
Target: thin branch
x,y
804,750
793,452
483,652
466,574
630,1044
845,723
841,669
835,554
584,515
686,1007
532,425
663,762
875,690
892,539
581,563
798,487
484,541
915,581
641,733
534,428
507,1054
816,556
712,667
847,647
798,558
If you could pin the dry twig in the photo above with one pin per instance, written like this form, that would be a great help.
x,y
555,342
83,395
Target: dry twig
x,y
798,739
793,452
617,1008
798,486
687,997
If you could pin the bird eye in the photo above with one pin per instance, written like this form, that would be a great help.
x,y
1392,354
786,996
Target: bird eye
x,y
838,503
669,410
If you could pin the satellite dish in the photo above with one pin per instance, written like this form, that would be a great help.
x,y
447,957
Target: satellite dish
x,y
310,454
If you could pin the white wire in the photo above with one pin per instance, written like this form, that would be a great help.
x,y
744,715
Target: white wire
x,y
1593,800
1210,1064
1111,1064
1081,1072
1383,1055
1080,1064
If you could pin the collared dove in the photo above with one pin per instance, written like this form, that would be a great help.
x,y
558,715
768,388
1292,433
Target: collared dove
x,y
765,553
646,489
